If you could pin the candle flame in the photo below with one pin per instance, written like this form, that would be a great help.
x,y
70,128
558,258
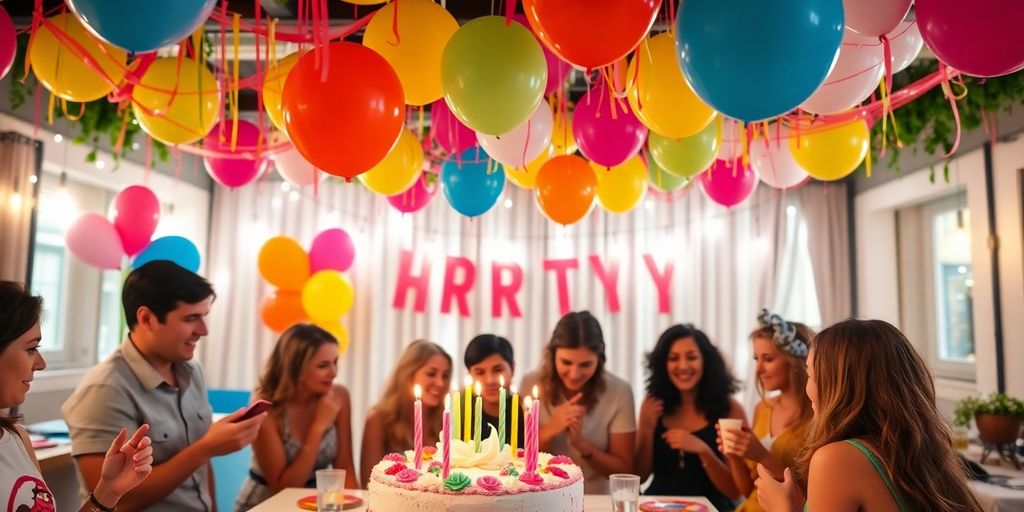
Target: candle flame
x,y
513,389
417,391
535,392
501,380
479,388
528,402
447,403
468,381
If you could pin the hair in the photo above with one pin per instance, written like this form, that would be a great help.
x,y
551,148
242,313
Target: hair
x,y
717,384
486,345
20,310
395,404
868,376
577,329
293,351
797,369
159,286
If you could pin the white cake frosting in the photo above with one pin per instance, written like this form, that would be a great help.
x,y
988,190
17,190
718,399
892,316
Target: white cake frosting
x,y
491,481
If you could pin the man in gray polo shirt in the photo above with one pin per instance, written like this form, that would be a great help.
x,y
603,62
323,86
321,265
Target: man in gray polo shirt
x,y
152,379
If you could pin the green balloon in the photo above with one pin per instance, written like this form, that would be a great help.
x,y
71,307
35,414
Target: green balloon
x,y
661,180
686,157
493,75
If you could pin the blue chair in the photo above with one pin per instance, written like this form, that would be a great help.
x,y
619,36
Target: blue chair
x,y
229,470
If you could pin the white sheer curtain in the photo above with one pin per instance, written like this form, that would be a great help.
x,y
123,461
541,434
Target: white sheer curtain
x,y
724,265
828,235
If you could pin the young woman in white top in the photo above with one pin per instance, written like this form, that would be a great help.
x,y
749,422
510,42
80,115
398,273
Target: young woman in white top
x,y
128,461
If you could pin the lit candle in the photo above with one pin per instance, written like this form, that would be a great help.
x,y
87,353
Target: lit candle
x,y
478,416
446,434
417,408
536,430
456,425
501,413
515,424
528,449
466,425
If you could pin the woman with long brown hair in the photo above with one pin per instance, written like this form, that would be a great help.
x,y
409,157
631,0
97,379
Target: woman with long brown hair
x,y
877,441
309,426
586,412
389,423
780,422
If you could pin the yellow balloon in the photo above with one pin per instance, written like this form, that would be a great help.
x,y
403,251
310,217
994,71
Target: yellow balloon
x,y
193,111
64,73
526,177
327,295
660,97
338,331
621,188
832,154
562,139
399,170
424,29
273,84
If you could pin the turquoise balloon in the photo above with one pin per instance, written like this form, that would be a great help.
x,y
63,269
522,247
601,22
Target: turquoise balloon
x,y
142,25
474,185
752,59
175,249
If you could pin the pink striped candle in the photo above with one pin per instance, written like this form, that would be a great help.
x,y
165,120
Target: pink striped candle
x,y
417,427
531,436
446,437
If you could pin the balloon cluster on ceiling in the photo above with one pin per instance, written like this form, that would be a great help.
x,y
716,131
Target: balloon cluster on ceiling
x,y
733,94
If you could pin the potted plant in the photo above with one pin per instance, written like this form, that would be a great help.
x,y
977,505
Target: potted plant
x,y
998,417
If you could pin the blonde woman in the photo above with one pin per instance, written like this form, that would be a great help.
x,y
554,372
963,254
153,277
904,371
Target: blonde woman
x,y
309,426
780,422
877,442
389,423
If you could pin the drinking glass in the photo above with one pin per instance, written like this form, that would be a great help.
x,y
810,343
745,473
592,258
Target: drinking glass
x,y
625,491
330,490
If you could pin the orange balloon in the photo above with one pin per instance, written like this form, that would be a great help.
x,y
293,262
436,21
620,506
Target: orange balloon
x,y
591,33
284,263
281,310
349,122
565,189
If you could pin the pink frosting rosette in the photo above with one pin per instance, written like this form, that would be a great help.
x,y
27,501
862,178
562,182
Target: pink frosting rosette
x,y
531,478
559,472
395,457
407,476
394,469
488,483
560,459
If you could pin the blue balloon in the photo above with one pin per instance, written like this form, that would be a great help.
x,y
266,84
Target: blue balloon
x,y
171,248
752,59
468,186
142,25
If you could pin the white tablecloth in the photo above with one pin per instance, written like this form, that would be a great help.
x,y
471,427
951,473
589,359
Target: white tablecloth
x,y
285,501
995,498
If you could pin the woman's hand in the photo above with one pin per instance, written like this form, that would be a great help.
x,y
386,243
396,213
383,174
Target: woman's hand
x,y
684,441
567,412
775,496
327,409
741,443
651,410
125,466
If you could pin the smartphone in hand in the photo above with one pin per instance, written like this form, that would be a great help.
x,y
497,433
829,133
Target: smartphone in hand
x,y
255,409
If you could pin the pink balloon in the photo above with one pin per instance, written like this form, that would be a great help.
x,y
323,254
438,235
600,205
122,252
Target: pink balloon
x,y
521,145
414,199
855,75
8,42
136,212
874,17
604,138
94,240
295,169
332,249
905,42
774,163
234,172
727,185
449,133
558,69
979,37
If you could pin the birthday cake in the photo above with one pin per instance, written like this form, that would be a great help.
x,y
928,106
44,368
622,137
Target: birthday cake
x,y
489,479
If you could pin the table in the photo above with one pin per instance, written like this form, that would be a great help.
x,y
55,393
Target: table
x,y
285,501
995,498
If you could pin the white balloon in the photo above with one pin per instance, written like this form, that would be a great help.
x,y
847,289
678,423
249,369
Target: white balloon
x,y
524,143
857,72
294,168
874,17
774,162
905,42
731,145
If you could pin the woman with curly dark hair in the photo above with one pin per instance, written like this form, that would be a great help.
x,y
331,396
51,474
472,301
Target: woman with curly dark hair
x,y
689,389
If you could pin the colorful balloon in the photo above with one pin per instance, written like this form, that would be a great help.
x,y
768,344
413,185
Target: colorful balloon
x,y
180,117
349,122
273,87
607,137
565,189
336,329
855,76
493,75
327,295
688,156
284,263
525,177
234,172
471,183
282,309
8,42
136,215
414,199
591,33
774,163
400,168
563,142
94,240
874,17
728,183
523,144
295,169
447,131
621,188
332,249
980,38
662,180
142,26
660,97
66,74
833,153
178,250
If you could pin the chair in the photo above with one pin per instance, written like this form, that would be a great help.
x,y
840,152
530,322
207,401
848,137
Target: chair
x,y
229,470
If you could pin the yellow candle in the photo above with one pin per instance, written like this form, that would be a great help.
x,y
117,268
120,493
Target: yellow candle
x,y
515,424
467,419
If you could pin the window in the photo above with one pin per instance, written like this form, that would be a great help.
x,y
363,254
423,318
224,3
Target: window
x,y
951,247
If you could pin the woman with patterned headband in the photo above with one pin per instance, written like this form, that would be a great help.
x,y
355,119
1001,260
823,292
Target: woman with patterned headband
x,y
780,422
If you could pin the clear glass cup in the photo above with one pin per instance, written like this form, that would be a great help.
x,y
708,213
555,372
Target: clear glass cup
x,y
961,438
625,490
330,490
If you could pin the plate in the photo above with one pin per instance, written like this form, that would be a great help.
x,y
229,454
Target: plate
x,y
676,505
309,502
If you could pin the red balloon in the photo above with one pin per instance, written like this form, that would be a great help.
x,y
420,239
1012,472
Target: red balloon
x,y
980,37
565,189
591,33
347,123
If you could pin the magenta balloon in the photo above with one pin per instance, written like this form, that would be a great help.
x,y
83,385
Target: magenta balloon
x,y
234,172
332,249
449,133
136,215
603,138
979,37
94,240
8,42
726,185
414,199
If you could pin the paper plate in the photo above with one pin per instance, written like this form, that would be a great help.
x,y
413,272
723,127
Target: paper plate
x,y
676,505
309,502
